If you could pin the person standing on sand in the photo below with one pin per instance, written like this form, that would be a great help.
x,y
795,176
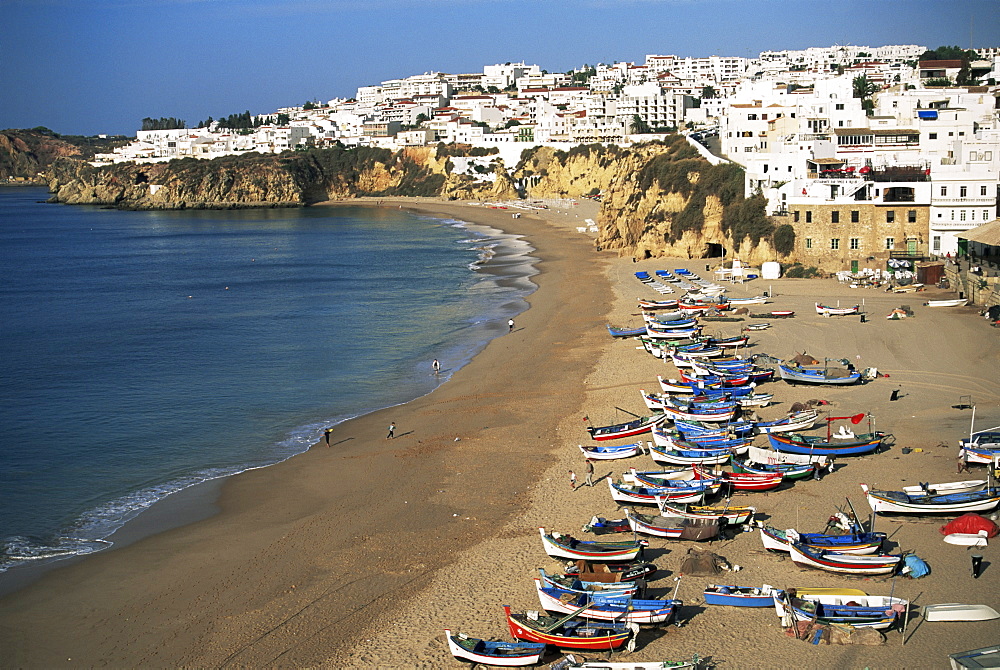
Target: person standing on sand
x,y
326,435
436,366
392,430
572,480
590,472
510,325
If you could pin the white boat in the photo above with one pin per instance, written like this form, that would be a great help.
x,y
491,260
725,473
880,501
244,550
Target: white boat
x,y
985,657
856,611
900,502
959,612
942,489
946,303
692,664
968,539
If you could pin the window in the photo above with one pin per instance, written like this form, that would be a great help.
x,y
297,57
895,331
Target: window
x,y
982,190
809,243
944,191
961,215
834,217
809,216
932,136
890,242
986,214
795,217
963,191
911,216
855,243
839,106
855,214
937,243
835,244
890,216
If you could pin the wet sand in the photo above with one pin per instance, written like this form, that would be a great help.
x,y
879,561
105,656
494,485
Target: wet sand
x,y
361,554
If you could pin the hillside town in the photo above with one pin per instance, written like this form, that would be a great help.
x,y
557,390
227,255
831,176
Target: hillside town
x,y
906,150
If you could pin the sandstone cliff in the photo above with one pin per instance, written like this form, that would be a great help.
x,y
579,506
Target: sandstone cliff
x,y
25,154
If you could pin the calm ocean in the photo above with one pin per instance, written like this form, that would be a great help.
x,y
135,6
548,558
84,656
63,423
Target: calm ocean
x,y
143,352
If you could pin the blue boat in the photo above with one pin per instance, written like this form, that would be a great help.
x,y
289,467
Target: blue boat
x,y
791,443
626,332
607,608
828,376
493,653
739,596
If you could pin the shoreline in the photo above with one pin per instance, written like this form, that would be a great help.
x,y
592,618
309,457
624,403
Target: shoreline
x,y
171,552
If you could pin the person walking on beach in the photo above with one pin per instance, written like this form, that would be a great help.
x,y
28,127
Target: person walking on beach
x,y
572,480
590,472
392,430
326,435
510,325
436,366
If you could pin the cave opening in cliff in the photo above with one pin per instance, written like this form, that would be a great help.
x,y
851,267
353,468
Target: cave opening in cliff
x,y
713,250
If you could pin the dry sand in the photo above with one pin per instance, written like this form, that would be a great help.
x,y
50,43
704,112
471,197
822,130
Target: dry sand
x,y
360,555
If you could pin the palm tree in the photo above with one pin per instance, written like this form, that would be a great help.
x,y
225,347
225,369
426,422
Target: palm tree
x,y
863,88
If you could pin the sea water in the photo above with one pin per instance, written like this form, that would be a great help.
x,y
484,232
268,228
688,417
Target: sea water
x,y
144,352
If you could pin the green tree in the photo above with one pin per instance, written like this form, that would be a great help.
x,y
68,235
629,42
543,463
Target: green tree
x,y
639,125
863,88
283,119
708,92
421,118
309,104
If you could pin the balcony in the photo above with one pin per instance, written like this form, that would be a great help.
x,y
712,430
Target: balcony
x,y
971,202
903,174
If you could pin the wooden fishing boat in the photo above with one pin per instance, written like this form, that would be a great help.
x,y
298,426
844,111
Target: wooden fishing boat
x,y
693,663
899,502
860,542
634,476
981,446
653,305
610,452
985,657
791,422
956,302
732,515
739,428
878,612
852,564
647,496
605,608
959,612
827,376
791,471
672,440
824,310
864,443
566,632
729,342
699,414
671,334
626,332
979,539
740,481
642,424
743,302
576,585
669,456
650,480
946,488
488,652
609,572
675,528
758,326
738,596
564,546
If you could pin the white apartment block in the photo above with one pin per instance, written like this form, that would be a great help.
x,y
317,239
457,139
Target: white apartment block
x,y
507,74
654,106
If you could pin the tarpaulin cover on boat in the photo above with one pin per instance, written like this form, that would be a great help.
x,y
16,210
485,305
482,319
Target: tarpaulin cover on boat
x,y
970,523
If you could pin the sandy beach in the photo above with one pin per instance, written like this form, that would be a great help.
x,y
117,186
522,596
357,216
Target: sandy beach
x,y
360,555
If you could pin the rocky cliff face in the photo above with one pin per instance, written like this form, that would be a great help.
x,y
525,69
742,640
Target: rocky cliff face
x,y
25,154
659,199
268,181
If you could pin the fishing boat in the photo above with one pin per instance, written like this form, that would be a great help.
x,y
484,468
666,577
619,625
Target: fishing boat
x,y
741,481
878,612
742,302
576,585
729,342
739,428
610,452
672,440
791,471
671,334
859,542
791,422
650,480
738,596
981,446
653,305
860,444
758,326
959,612
824,310
700,413
670,456
609,572
626,332
489,652
634,476
731,514
567,632
674,528
900,502
642,424
605,608
985,657
565,546
852,564
693,663
946,488
796,374
957,302
979,539
647,496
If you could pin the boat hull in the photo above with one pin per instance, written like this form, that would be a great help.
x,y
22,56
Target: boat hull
x,y
503,654
593,636
851,564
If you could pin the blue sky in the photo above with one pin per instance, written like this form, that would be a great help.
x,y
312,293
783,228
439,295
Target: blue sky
x,y
100,66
